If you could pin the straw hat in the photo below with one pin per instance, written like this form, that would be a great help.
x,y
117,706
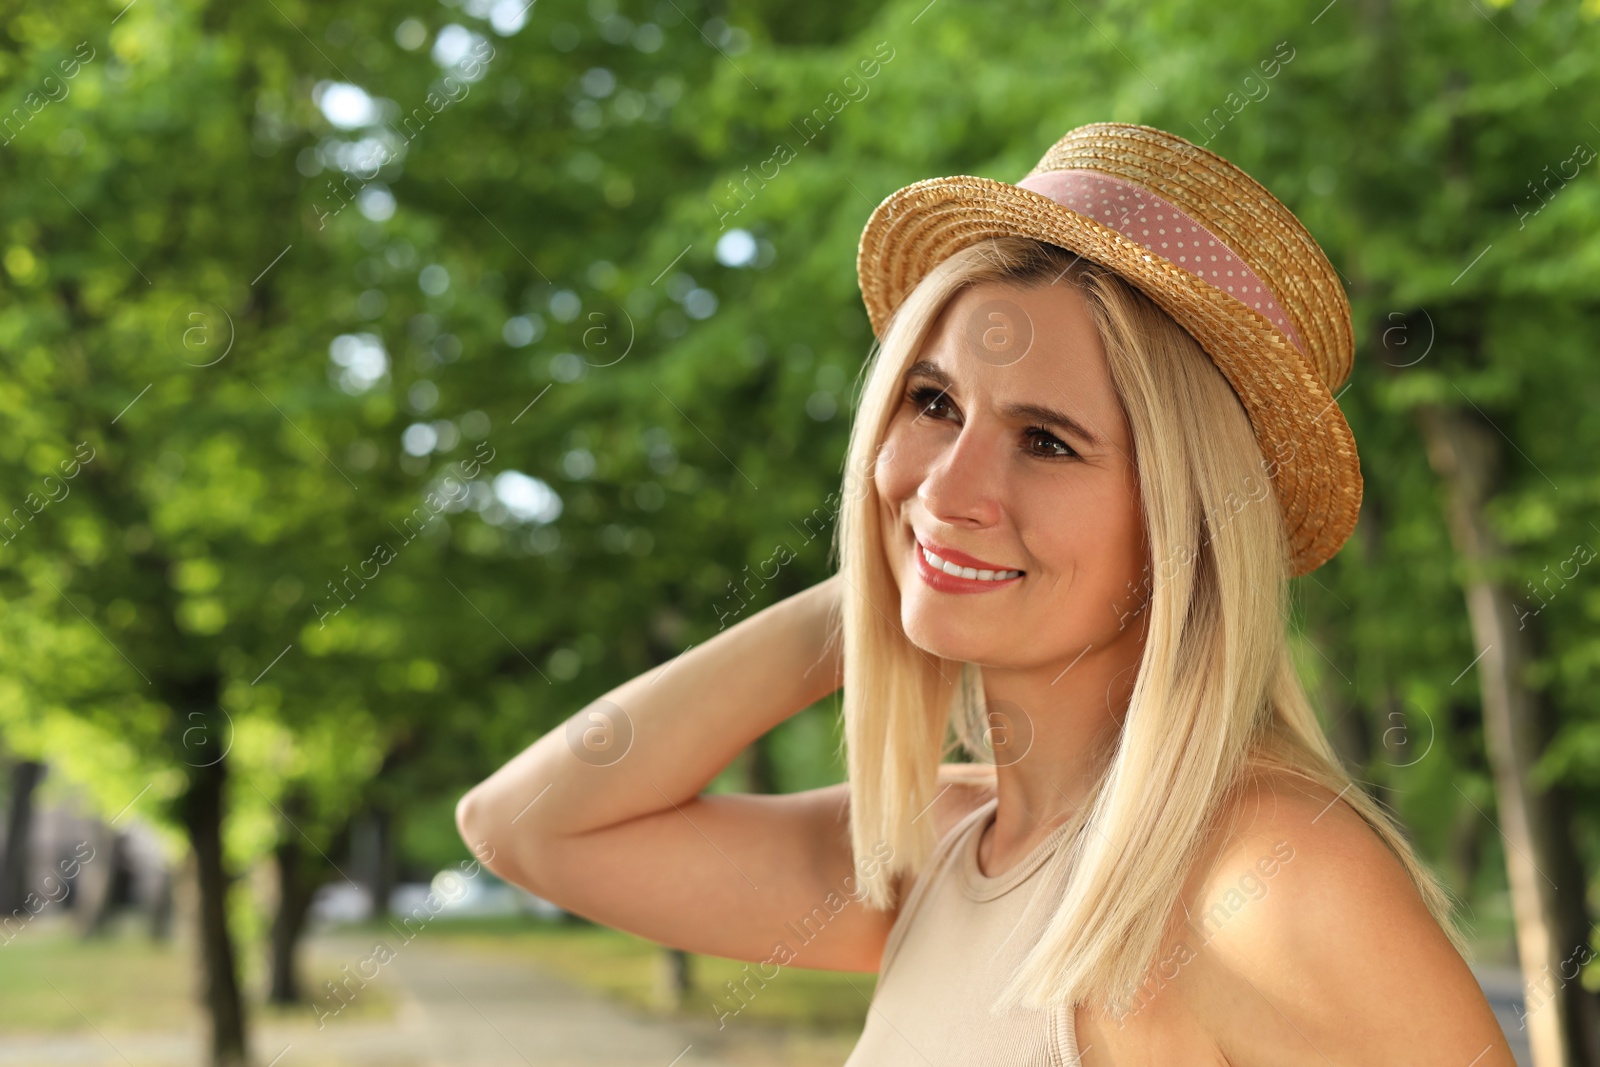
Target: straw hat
x,y
1207,243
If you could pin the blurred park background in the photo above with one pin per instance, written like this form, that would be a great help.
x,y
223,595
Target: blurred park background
x,y
384,381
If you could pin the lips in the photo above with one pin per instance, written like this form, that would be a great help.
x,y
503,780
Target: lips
x,y
959,572
961,559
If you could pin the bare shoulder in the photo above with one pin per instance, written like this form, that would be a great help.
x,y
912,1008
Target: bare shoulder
x,y
1308,941
962,788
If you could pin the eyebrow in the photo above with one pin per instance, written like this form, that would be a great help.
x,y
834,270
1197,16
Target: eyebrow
x,y
1032,412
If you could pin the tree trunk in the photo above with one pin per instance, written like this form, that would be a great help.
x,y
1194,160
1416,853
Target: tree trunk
x,y
288,921
762,770
203,818
25,778
1351,723
1543,868
1345,721
101,885
675,980
388,863
373,853
161,907
1465,848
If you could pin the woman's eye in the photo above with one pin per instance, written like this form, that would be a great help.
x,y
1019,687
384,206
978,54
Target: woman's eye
x,y
932,402
926,398
1046,443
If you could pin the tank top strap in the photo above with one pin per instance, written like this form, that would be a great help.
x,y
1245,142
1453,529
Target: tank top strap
x,y
937,868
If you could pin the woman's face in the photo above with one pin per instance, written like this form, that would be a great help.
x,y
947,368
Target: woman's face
x,y
1008,452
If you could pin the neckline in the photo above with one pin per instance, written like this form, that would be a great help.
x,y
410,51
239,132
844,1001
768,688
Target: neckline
x,y
980,886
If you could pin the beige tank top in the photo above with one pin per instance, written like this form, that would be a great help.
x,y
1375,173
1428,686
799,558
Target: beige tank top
x,y
952,948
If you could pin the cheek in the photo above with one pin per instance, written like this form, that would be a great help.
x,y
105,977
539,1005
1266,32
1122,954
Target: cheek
x,y
1096,544
1119,530
1134,531
897,470
1126,554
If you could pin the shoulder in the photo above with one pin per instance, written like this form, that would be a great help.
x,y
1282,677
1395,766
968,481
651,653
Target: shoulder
x,y
1309,941
961,789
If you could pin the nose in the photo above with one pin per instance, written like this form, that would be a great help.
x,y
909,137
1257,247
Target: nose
x,y
962,485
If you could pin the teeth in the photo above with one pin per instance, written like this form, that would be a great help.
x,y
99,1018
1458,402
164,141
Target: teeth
x,y
966,572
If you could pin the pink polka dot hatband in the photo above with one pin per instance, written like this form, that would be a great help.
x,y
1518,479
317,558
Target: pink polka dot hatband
x,y
1206,242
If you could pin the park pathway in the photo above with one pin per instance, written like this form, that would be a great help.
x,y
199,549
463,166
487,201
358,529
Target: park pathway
x,y
454,1008
457,1007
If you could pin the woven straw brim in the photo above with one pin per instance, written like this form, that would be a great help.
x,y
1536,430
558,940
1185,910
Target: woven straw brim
x,y
1298,424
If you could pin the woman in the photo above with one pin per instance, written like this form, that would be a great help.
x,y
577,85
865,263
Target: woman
x,y
1095,443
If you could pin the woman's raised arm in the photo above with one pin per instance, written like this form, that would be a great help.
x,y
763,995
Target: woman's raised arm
x,y
603,815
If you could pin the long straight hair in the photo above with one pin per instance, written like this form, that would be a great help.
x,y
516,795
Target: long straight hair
x,y
1216,701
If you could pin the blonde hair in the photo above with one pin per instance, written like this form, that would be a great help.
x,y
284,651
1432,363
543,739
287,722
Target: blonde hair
x,y
1216,700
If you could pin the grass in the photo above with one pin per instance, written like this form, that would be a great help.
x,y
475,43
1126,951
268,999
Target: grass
x,y
54,981
631,969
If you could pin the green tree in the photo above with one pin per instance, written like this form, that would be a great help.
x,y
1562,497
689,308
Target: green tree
x,y
396,438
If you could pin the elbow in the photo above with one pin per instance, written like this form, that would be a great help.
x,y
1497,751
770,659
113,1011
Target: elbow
x,y
491,845
472,824
468,817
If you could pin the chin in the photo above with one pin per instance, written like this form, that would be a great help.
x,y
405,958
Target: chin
x,y
936,631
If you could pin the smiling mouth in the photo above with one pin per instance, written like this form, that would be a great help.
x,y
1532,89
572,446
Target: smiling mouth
x,y
971,573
